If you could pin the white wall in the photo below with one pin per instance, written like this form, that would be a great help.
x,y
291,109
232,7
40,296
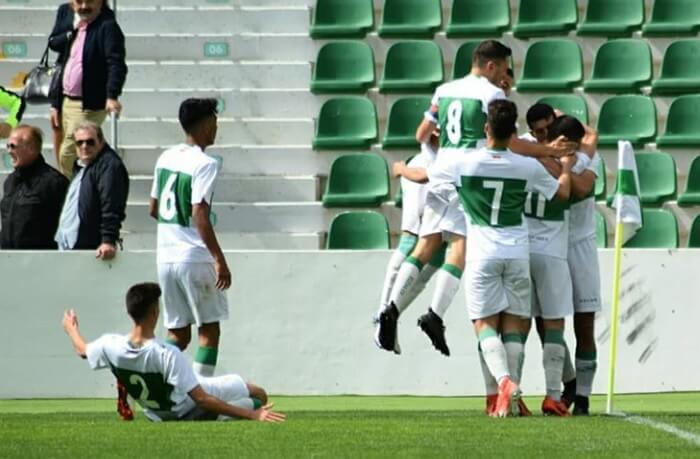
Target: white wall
x,y
300,324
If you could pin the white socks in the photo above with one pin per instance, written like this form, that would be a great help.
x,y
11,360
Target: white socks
x,y
494,353
569,370
391,272
515,353
405,280
586,366
489,381
446,287
553,354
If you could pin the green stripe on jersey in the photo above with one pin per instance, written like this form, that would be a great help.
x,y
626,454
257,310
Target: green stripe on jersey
x,y
150,389
537,206
174,197
493,201
461,122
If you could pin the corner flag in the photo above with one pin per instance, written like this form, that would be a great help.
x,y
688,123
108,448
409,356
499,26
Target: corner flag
x,y
628,221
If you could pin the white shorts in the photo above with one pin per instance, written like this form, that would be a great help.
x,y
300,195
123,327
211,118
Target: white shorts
x,y
552,296
443,213
190,295
229,388
585,275
496,285
413,202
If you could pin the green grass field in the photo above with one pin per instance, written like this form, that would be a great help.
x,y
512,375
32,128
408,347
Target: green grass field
x,y
353,427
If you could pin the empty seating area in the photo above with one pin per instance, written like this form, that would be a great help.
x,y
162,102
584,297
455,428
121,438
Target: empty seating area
x,y
316,95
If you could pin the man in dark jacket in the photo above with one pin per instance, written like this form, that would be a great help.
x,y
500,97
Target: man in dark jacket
x,y
32,194
90,47
95,205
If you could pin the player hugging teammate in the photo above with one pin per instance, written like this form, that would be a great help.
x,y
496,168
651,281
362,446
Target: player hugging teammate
x,y
527,206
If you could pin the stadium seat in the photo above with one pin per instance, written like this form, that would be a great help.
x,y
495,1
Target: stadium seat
x,y
659,231
630,117
601,183
411,18
342,18
694,236
601,231
691,196
680,71
673,18
343,66
539,18
359,230
346,122
404,117
551,65
682,123
571,104
605,18
412,66
357,180
479,18
622,65
463,59
657,178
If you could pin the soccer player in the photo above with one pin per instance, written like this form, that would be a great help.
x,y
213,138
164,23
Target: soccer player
x,y
192,269
493,184
158,376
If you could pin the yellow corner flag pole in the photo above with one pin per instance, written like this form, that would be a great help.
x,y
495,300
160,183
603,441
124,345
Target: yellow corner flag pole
x,y
614,313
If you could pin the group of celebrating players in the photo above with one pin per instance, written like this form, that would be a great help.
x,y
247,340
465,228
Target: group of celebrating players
x,y
518,214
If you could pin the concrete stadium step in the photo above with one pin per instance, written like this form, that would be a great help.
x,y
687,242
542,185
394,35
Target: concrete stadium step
x,y
140,19
190,74
167,46
234,188
250,103
167,131
238,241
259,217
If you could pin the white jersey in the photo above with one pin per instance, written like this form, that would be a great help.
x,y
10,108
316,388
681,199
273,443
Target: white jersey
x,y
460,108
582,224
184,176
493,186
157,375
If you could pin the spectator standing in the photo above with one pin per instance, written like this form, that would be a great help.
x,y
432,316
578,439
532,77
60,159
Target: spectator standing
x,y
95,204
91,48
13,105
32,194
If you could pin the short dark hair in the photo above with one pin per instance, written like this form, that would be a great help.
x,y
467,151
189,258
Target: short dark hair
x,y
502,117
490,50
568,126
193,111
140,299
539,112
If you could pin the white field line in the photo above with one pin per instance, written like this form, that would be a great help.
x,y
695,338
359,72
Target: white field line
x,y
668,428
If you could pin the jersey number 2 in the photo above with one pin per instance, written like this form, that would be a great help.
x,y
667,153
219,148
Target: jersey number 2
x,y
137,380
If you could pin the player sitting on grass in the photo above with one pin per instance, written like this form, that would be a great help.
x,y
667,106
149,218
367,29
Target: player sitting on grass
x,y
492,184
159,377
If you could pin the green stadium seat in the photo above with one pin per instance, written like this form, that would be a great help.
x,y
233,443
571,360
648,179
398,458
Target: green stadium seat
x,y
342,19
630,117
657,178
691,196
357,180
571,104
346,122
601,229
673,18
694,236
359,230
680,71
479,18
659,231
463,59
404,117
540,18
601,183
622,65
682,123
343,66
606,18
411,18
412,66
551,65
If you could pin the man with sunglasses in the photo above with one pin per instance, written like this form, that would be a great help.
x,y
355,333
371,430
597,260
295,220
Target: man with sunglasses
x,y
32,194
96,201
